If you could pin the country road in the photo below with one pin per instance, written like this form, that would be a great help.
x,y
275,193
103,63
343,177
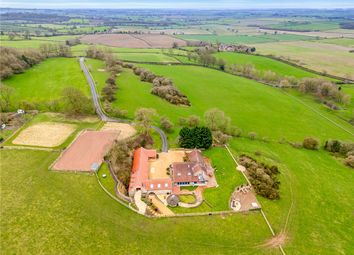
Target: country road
x,y
106,118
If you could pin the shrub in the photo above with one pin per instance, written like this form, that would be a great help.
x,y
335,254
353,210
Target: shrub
x,y
76,102
193,121
221,138
349,161
332,145
310,143
262,177
166,124
252,135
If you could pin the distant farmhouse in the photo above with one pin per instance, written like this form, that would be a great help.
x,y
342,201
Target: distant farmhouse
x,y
191,169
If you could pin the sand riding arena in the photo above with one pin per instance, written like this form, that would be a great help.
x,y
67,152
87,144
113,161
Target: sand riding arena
x,y
90,147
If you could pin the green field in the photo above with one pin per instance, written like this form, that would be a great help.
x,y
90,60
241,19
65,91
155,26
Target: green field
x,y
347,42
322,57
251,106
245,39
77,217
316,196
35,42
45,81
264,64
146,57
305,26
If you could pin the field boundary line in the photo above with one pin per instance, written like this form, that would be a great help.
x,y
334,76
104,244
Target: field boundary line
x,y
262,212
319,113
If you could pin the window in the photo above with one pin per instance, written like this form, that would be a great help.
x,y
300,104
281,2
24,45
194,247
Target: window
x,y
166,185
151,186
158,185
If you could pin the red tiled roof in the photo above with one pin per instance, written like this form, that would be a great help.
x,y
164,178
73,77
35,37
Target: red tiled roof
x,y
158,184
140,169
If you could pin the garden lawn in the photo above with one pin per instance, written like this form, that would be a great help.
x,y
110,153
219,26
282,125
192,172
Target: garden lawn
x,y
59,213
264,64
45,82
252,106
227,178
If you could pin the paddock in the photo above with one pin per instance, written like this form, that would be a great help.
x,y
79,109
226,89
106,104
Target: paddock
x,y
89,148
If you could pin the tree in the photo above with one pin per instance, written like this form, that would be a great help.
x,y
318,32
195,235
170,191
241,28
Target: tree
x,y
166,124
6,93
193,121
310,143
215,119
11,36
75,102
197,137
144,117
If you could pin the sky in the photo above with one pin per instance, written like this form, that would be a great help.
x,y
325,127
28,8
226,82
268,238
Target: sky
x,y
179,4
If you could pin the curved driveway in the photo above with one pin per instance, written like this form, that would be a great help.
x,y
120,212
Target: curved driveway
x,y
106,118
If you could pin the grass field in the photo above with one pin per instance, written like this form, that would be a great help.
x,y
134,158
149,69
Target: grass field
x,y
333,59
35,42
245,39
45,81
251,106
146,57
34,198
318,189
264,63
306,26
347,42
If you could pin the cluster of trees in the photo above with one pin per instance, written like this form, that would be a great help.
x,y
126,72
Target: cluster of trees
x,y
121,159
220,125
109,90
94,52
324,90
162,87
55,50
343,149
205,57
197,137
262,177
217,121
14,61
76,103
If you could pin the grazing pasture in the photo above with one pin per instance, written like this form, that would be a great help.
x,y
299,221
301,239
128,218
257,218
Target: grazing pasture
x,y
245,39
46,81
264,64
252,106
305,25
84,210
347,42
147,57
133,41
331,58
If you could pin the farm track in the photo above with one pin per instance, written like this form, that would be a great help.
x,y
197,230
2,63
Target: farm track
x,y
101,113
